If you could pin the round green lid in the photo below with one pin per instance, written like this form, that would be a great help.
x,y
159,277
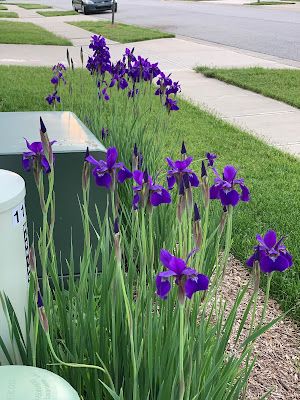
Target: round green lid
x,y
29,383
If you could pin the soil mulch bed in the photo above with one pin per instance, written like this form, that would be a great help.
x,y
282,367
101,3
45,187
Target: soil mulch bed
x,y
278,350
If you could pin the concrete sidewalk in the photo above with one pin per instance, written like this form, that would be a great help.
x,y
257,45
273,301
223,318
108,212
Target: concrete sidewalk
x,y
271,120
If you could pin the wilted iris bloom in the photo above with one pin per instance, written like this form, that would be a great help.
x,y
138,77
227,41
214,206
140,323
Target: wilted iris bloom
x,y
211,159
137,158
36,157
148,193
107,172
187,279
104,133
270,253
224,188
179,171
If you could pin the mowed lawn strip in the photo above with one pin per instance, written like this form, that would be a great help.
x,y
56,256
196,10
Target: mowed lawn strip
x,y
56,13
279,84
268,3
272,176
122,33
28,33
8,14
30,6
2,8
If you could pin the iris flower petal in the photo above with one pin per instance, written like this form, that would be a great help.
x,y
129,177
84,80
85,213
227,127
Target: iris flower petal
x,y
214,192
156,199
111,157
270,239
165,258
171,181
162,287
265,262
194,181
104,180
124,174
193,285
229,173
281,263
181,165
138,177
245,196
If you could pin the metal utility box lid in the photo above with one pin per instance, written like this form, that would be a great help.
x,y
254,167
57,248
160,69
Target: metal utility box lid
x,y
71,134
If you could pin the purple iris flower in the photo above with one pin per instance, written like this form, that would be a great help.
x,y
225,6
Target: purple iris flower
x,y
211,159
100,62
171,104
187,279
132,93
180,171
146,192
129,55
103,93
149,71
120,81
106,172
58,76
55,80
53,98
163,82
173,89
36,155
141,68
59,67
271,254
118,72
224,188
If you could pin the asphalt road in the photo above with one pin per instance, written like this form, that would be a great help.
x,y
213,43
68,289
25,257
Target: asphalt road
x,y
275,32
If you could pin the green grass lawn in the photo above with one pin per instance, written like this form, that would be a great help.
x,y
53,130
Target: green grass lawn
x,y
121,32
30,6
2,7
268,3
28,33
279,84
7,14
56,13
273,176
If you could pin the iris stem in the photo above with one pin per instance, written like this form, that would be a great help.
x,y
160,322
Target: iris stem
x,y
204,235
267,295
228,240
181,351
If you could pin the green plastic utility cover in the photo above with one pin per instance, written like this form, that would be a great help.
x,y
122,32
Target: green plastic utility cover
x,y
29,383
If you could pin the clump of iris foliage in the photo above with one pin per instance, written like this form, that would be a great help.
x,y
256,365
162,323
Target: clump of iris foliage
x,y
152,324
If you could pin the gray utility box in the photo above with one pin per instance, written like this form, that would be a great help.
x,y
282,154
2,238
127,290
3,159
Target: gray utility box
x,y
73,137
